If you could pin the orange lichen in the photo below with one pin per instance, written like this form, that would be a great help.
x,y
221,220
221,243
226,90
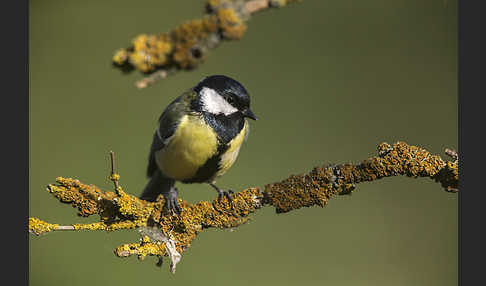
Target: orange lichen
x,y
195,217
319,185
82,196
300,191
129,212
186,46
119,210
232,26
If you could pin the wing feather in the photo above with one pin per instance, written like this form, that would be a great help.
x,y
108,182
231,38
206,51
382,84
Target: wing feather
x,y
168,122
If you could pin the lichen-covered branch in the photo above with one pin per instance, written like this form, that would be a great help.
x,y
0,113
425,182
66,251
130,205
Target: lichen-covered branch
x,y
188,44
165,234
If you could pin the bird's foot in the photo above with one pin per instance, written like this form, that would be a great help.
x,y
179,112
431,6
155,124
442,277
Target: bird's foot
x,y
171,201
227,194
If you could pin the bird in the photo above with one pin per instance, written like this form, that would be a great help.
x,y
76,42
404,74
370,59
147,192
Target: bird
x,y
198,138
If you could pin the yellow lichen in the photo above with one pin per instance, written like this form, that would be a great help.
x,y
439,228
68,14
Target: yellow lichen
x,y
150,51
132,212
90,226
214,3
79,195
184,228
210,23
318,186
120,56
114,177
112,226
131,207
187,46
231,25
124,211
186,38
39,227
140,249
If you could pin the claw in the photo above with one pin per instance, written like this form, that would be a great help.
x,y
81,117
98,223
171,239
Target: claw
x,y
222,193
226,194
171,201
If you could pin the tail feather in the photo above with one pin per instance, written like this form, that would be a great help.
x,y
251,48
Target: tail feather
x,y
158,184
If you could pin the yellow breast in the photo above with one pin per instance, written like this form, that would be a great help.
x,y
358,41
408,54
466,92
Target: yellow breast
x,y
229,157
193,143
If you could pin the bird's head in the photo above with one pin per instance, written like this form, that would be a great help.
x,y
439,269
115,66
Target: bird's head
x,y
222,95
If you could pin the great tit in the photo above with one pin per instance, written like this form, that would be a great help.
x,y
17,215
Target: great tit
x,y
198,138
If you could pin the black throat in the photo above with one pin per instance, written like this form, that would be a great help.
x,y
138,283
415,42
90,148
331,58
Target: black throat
x,y
227,127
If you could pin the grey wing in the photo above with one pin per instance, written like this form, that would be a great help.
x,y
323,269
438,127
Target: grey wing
x,y
168,122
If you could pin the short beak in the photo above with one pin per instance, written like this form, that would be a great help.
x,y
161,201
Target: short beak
x,y
248,113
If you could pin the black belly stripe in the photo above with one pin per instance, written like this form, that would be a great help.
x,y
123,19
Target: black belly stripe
x,y
227,128
210,168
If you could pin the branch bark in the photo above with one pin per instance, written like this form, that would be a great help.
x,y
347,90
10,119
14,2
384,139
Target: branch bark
x,y
164,234
188,45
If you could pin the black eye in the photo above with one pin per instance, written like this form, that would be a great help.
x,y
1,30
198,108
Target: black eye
x,y
230,100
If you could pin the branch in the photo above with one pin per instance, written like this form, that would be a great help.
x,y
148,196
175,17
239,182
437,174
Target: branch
x,y
164,234
187,46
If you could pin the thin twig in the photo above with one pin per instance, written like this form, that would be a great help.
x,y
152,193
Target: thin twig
x,y
65,227
452,153
151,79
256,5
114,176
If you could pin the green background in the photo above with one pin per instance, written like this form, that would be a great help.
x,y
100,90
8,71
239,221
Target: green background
x,y
329,81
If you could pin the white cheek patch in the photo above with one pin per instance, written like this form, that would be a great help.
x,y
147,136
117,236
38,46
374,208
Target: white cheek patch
x,y
214,103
